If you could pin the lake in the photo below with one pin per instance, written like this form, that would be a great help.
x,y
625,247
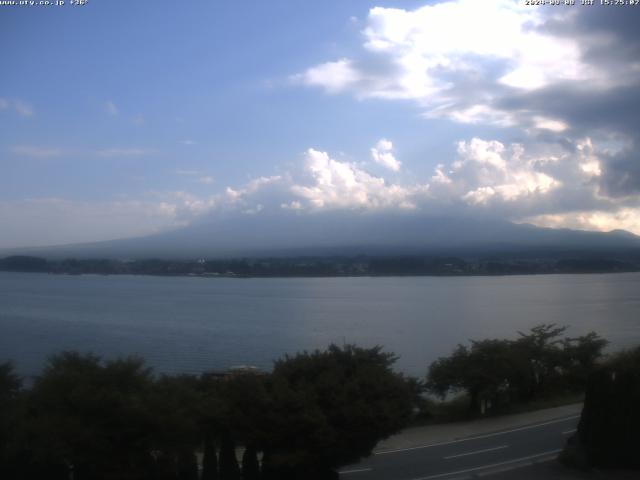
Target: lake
x,y
186,324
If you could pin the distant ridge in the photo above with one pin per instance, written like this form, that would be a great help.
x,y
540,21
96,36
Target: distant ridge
x,y
291,234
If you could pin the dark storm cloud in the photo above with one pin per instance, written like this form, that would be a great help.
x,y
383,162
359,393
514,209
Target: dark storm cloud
x,y
607,116
584,108
605,109
622,173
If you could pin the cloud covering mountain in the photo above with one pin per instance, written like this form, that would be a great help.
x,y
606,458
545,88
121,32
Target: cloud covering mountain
x,y
485,111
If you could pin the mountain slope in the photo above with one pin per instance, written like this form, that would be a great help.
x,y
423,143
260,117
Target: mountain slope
x,y
290,234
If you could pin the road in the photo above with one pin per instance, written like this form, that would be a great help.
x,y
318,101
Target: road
x,y
467,457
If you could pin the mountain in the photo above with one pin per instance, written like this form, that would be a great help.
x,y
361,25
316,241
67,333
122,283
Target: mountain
x,y
295,234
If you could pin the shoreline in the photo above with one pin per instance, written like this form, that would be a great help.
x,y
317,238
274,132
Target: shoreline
x,y
349,275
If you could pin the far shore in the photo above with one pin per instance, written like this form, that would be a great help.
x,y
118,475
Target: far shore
x,y
325,267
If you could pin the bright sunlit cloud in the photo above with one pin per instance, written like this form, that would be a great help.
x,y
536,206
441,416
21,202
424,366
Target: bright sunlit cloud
x,y
451,107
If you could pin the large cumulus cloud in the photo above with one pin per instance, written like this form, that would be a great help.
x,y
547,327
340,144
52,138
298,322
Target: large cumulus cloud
x,y
486,177
552,184
567,78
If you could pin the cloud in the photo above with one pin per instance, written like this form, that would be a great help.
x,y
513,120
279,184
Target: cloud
x,y
543,182
382,155
548,185
37,152
471,62
184,207
124,152
544,123
197,176
333,184
293,205
111,108
488,170
565,82
334,77
517,182
21,107
421,54
206,179
625,219
49,221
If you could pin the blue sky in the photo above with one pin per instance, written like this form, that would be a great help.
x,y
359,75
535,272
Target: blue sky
x,y
125,118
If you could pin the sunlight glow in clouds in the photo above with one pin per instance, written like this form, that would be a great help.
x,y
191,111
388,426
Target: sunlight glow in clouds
x,y
625,219
545,104
482,63
423,48
337,184
509,178
486,174
457,58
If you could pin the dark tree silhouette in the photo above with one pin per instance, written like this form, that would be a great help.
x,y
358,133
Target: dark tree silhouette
x,y
497,372
10,417
250,465
483,371
330,408
229,468
209,460
91,418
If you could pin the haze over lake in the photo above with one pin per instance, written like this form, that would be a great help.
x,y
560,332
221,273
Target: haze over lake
x,y
182,324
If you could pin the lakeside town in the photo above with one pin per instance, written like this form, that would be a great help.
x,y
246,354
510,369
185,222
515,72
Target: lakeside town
x,y
320,266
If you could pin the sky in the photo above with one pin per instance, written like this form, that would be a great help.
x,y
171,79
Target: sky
x,y
122,119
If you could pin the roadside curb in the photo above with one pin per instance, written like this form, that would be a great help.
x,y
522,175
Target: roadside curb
x,y
423,437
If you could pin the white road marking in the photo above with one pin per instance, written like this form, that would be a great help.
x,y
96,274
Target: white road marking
x,y
359,470
569,432
476,452
488,435
492,465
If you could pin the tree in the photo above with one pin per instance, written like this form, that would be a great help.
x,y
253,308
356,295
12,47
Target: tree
x,y
580,357
10,415
233,411
330,408
540,357
174,404
187,465
607,433
499,371
229,468
483,371
209,460
91,418
250,465
446,374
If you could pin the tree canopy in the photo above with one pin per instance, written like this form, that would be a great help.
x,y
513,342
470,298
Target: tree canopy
x,y
330,408
94,419
608,431
494,372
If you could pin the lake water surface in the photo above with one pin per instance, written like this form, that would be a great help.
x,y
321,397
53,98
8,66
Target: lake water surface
x,y
185,324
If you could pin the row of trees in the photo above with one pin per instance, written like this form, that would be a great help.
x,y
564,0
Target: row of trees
x,y
494,373
85,418
317,266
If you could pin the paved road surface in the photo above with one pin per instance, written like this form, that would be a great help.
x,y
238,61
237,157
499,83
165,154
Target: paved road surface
x,y
470,456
